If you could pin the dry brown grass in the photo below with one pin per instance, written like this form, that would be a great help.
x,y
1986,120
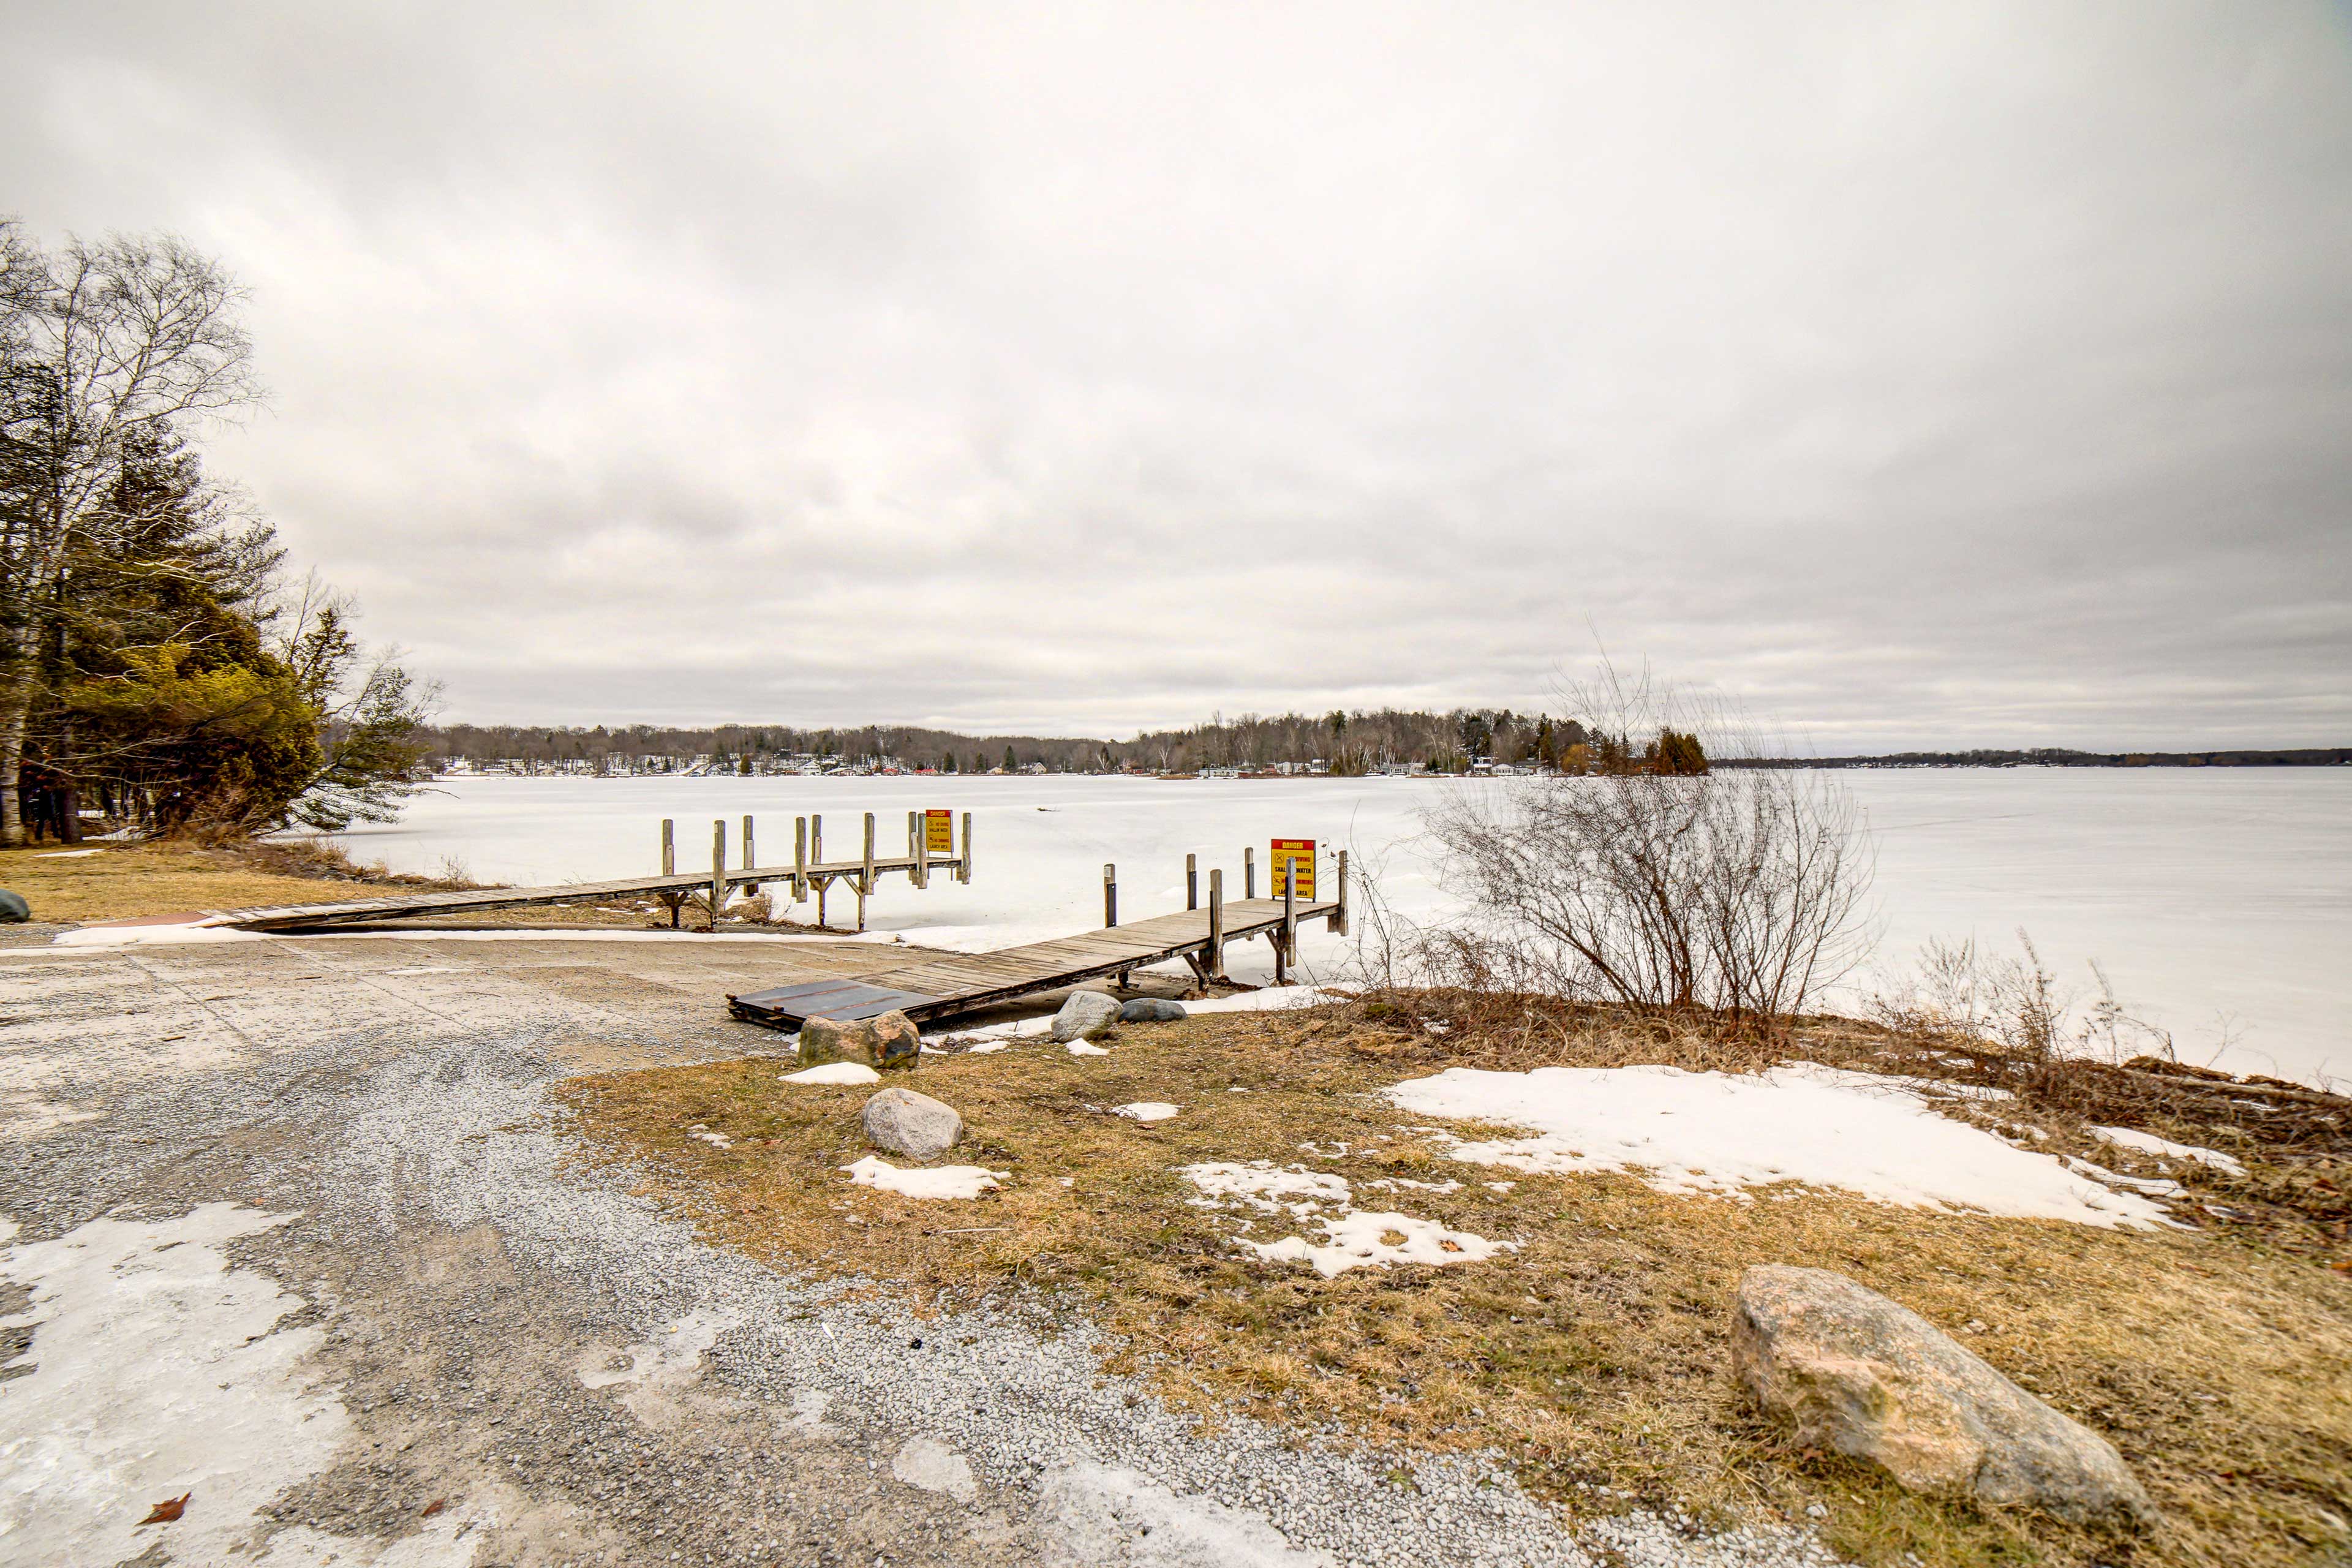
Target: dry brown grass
x,y
1597,1354
180,875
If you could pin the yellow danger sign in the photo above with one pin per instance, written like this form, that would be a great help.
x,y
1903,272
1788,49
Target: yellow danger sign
x,y
1294,858
939,832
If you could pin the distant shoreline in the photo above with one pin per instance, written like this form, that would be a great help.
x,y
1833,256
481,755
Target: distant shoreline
x,y
2246,757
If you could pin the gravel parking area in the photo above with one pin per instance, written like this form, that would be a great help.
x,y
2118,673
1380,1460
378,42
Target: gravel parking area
x,y
306,1199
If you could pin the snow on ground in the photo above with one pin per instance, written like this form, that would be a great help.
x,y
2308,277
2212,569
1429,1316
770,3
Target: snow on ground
x,y
1081,1049
1722,1133
1352,1238
66,854
937,1181
833,1072
1148,1111
1100,1513
2164,1148
156,1369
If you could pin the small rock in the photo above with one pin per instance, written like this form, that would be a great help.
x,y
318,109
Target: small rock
x,y
911,1124
1086,1014
1151,1010
1871,1379
897,1042
12,908
823,1041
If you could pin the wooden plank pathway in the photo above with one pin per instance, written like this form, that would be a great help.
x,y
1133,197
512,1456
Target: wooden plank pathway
x,y
417,905
949,983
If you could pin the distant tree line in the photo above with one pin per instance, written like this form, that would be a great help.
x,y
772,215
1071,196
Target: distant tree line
x,y
155,662
1342,742
2060,757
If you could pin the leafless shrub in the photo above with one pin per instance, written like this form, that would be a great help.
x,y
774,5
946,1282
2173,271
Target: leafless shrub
x,y
1741,889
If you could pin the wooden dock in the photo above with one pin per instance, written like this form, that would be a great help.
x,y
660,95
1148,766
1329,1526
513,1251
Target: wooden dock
x,y
948,984
808,873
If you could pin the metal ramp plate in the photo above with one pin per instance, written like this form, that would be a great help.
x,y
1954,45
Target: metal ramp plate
x,y
845,1001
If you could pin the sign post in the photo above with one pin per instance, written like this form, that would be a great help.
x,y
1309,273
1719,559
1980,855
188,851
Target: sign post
x,y
1293,867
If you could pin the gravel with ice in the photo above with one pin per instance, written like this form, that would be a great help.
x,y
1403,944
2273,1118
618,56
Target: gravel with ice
x,y
441,1136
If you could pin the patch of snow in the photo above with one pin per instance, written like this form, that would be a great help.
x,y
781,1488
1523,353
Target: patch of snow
x,y
988,1048
1720,1133
833,1072
673,1355
716,1139
1081,1049
933,1467
66,854
1096,1513
2149,1143
1148,1111
1266,999
939,1182
1265,1189
155,1369
1359,1239
2153,1186
177,934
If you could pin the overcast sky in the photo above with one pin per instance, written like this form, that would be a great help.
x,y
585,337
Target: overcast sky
x,y
1942,374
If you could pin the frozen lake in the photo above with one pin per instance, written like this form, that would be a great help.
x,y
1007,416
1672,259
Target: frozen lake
x,y
2207,895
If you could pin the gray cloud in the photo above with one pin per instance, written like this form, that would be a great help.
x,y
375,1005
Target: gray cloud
x,y
1967,375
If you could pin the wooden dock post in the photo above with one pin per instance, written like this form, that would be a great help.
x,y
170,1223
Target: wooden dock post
x,y
1249,871
919,847
1191,881
963,862
1216,954
670,866
1339,920
866,882
718,869
1110,897
749,859
800,859
1285,946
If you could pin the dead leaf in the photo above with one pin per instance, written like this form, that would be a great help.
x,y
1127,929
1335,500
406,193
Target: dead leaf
x,y
167,1511
436,1506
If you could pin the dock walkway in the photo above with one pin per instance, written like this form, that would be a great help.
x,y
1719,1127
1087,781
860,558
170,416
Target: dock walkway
x,y
418,906
947,984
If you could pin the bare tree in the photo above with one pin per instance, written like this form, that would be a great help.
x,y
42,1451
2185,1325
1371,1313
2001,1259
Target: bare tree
x,y
101,344
1741,888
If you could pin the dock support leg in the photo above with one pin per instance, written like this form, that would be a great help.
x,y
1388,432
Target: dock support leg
x,y
718,869
800,859
1191,881
1216,951
821,882
1286,942
1249,871
963,861
865,882
1110,897
749,859
669,866
1339,920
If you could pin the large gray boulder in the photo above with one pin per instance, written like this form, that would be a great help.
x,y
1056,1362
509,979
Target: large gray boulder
x,y
911,1124
1086,1014
1871,1379
12,908
1151,1010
